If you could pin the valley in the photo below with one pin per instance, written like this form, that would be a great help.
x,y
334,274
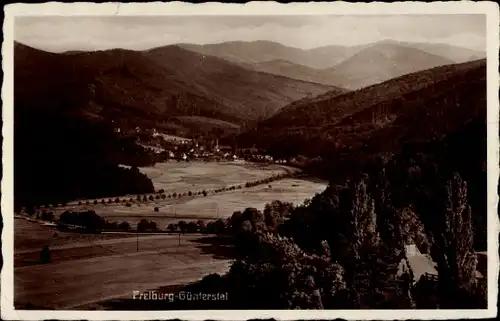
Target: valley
x,y
231,166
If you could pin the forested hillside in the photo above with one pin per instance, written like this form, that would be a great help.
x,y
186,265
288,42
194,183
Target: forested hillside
x,y
407,170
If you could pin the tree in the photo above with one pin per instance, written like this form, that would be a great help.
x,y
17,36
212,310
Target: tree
x,y
124,226
453,247
182,226
204,193
282,276
192,227
143,225
201,225
236,220
276,212
156,209
47,216
255,217
190,193
153,226
171,227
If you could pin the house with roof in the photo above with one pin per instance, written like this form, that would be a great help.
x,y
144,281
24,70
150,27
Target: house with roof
x,y
420,267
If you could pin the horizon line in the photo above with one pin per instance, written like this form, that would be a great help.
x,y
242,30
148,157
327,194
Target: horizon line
x,y
180,44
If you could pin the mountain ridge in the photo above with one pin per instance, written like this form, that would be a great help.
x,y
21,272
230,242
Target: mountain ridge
x,y
147,84
319,120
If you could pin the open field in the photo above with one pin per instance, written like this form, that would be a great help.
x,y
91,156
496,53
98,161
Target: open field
x,y
183,177
211,207
87,273
168,137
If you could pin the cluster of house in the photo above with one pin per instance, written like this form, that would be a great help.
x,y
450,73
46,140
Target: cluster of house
x,y
180,148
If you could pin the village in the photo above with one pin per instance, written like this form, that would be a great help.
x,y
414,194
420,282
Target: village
x,y
201,149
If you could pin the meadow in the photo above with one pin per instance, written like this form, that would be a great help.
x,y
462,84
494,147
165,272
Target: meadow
x,y
85,272
181,177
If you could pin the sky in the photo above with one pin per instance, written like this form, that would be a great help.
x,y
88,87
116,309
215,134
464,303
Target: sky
x,y
62,33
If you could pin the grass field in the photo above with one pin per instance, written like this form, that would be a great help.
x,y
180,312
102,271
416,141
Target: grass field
x,y
83,273
211,207
183,177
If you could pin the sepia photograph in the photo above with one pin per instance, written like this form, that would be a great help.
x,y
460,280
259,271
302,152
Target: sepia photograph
x,y
228,157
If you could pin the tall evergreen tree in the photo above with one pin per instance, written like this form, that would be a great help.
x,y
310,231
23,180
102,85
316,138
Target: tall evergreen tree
x,y
453,248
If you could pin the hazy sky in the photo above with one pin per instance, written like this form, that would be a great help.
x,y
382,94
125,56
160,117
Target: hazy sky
x,y
91,33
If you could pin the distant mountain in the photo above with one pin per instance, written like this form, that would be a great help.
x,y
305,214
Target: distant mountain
x,y
344,67
261,53
382,62
256,52
295,71
390,111
253,94
453,53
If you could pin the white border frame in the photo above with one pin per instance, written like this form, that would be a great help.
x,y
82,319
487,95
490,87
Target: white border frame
x,y
490,9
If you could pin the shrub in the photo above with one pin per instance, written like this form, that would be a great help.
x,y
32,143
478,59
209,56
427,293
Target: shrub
x,y
192,227
156,209
125,226
182,226
201,225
